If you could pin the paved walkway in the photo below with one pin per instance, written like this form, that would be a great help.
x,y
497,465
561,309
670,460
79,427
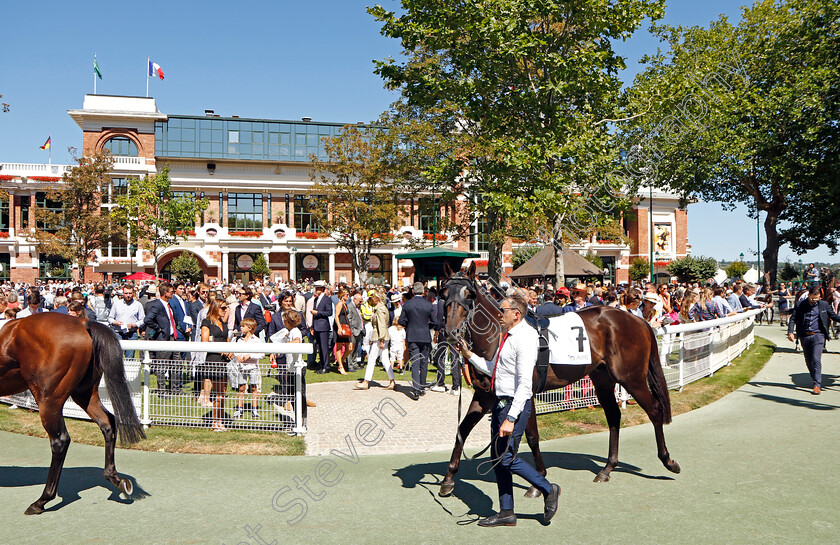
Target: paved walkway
x,y
426,425
760,466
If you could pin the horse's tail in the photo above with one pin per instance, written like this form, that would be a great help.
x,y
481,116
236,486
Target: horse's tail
x,y
108,359
656,381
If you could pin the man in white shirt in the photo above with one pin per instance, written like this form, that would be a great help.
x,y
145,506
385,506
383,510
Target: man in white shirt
x,y
126,316
512,370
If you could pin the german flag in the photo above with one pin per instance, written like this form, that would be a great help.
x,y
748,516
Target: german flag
x,y
47,143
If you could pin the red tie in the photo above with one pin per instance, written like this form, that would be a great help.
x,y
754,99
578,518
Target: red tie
x,y
172,322
498,356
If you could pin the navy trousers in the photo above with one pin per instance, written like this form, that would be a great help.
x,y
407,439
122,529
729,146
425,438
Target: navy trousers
x,y
511,463
418,356
812,346
322,344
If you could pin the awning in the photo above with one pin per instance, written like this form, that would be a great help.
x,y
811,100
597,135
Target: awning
x,y
429,262
541,265
437,251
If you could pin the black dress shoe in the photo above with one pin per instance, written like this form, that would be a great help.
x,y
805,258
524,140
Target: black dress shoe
x,y
502,518
320,372
413,395
551,503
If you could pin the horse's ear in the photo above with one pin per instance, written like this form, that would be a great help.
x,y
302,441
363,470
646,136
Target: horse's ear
x,y
447,270
471,270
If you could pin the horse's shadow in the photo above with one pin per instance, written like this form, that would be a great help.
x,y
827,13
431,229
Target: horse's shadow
x,y
429,476
73,481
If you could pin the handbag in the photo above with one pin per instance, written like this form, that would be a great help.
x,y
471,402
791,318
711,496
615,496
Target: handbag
x,y
344,329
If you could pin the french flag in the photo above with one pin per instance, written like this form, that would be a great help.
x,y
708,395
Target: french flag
x,y
155,70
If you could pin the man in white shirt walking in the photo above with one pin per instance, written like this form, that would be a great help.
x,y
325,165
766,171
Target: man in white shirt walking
x,y
512,370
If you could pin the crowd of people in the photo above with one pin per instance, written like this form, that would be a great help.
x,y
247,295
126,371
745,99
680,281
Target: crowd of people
x,y
351,326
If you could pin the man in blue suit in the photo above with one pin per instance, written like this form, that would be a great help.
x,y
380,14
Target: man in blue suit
x,y
579,295
160,321
417,316
810,319
322,309
248,309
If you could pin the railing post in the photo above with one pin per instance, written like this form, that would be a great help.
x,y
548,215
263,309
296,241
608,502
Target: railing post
x,y
145,419
682,361
300,366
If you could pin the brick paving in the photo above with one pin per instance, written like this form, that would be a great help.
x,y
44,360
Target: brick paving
x,y
428,425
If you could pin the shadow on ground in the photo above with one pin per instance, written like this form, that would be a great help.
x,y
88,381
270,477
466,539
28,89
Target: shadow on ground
x,y
429,476
74,480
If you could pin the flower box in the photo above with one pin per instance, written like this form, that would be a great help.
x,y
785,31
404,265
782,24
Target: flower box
x,y
247,234
190,233
312,236
45,178
6,178
481,262
4,234
437,237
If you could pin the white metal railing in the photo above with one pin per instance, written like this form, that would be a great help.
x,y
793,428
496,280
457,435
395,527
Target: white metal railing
x,y
27,169
156,406
687,352
137,161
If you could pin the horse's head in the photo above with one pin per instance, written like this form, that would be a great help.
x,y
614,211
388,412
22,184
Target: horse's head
x,y
469,312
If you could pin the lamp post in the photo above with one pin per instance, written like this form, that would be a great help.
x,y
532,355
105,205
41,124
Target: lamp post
x,y
656,276
801,271
131,258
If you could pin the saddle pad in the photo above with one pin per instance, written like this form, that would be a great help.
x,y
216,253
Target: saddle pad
x,y
568,342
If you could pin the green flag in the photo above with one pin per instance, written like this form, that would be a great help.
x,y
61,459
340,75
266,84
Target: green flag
x,y
96,68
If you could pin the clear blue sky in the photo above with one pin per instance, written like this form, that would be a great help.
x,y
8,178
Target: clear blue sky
x,y
276,59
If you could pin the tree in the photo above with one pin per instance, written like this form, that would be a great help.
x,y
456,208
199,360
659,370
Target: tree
x,y
356,199
522,254
595,259
534,87
76,226
639,269
748,114
185,267
788,272
260,267
692,269
154,215
737,269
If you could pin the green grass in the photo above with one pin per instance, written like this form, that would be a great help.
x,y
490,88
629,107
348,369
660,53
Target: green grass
x,y
693,396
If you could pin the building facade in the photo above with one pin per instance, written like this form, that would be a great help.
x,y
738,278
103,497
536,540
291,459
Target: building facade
x,y
255,174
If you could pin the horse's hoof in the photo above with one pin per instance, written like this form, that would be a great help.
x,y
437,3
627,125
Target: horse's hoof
x,y
33,510
126,487
533,492
446,490
672,466
601,478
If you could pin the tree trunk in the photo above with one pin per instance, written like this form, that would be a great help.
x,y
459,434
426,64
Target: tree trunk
x,y
494,255
559,265
771,250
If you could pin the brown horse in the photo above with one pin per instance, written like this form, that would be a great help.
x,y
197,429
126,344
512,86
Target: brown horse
x,y
624,351
57,356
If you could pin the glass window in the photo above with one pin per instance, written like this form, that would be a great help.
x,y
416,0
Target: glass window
x,y
304,219
481,235
53,268
4,213
233,137
121,147
429,215
245,212
43,203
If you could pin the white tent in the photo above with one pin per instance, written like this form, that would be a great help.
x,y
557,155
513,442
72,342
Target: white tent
x,y
751,275
720,276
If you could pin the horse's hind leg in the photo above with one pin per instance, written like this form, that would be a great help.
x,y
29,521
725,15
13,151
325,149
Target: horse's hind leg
x,y
53,422
605,391
106,421
641,393
532,434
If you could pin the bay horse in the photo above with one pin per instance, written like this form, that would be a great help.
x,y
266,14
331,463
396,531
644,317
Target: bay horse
x,y
623,348
56,356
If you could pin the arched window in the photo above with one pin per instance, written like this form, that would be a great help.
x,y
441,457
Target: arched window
x,y
121,146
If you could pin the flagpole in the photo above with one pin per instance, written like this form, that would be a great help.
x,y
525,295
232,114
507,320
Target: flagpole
x,y
50,141
94,73
148,60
